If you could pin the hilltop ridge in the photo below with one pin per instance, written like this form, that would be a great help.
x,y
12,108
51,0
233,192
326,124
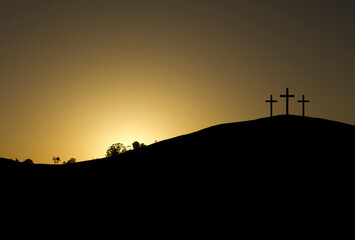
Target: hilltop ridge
x,y
291,142
282,152
282,137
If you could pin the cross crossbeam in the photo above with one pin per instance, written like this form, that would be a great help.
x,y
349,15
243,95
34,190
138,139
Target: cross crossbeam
x,y
270,101
303,101
287,96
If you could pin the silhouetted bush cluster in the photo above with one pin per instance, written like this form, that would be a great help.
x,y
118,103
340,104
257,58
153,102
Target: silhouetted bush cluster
x,y
118,148
70,161
25,162
137,145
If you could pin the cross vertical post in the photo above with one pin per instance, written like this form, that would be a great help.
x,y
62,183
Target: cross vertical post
x,y
303,101
270,101
287,96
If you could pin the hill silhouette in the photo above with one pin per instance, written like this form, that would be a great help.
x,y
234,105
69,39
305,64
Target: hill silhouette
x,y
278,151
285,170
281,140
279,145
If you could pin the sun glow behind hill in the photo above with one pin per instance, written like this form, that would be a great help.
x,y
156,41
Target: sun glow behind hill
x,y
79,76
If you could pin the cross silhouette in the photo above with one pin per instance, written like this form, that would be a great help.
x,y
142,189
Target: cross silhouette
x,y
303,101
271,101
287,96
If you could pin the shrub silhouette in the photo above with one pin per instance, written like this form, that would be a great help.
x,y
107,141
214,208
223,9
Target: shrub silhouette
x,y
137,145
28,161
70,161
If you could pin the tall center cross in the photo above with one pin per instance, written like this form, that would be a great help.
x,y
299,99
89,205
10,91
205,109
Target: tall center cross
x,y
270,101
287,96
303,101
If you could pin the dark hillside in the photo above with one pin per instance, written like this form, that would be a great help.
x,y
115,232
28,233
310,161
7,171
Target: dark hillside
x,y
282,138
281,144
283,147
260,171
4,163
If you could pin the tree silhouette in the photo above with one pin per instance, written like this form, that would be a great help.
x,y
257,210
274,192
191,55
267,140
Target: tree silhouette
x,y
56,160
135,145
115,149
71,160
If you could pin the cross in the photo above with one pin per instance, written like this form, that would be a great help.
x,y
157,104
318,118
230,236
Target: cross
x,y
303,101
270,101
287,96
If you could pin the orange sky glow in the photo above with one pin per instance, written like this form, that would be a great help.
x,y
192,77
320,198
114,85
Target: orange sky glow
x,y
77,76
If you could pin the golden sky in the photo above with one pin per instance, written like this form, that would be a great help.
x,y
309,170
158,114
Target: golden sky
x,y
77,76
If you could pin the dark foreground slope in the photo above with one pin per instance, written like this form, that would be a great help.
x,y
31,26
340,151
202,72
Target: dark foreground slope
x,y
281,149
289,141
284,138
281,144
286,174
